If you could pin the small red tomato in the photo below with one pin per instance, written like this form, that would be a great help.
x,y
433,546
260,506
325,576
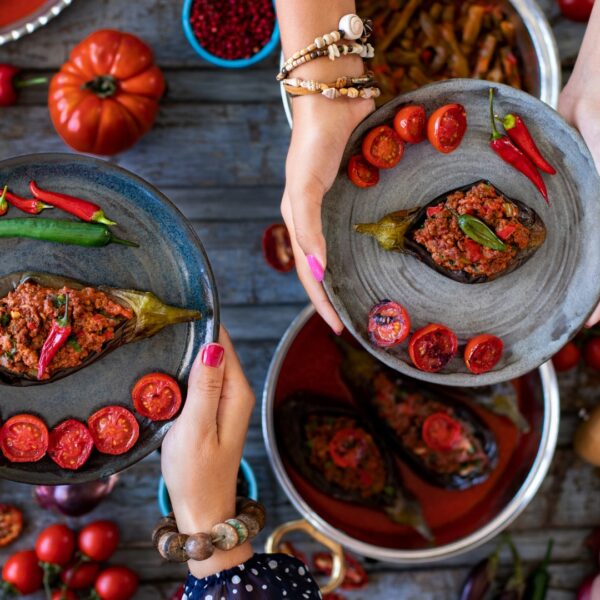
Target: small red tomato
x,y
56,545
116,583
277,248
591,353
389,324
483,353
80,576
65,594
576,10
156,396
362,173
567,357
8,93
22,570
382,147
11,524
410,123
441,432
446,127
432,347
99,540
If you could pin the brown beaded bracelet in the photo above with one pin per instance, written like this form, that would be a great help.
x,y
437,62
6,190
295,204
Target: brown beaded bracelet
x,y
180,547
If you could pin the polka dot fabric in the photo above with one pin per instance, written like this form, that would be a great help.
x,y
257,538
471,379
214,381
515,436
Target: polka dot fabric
x,y
263,577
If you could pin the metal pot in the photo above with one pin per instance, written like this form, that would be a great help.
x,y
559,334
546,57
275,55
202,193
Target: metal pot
x,y
504,508
536,42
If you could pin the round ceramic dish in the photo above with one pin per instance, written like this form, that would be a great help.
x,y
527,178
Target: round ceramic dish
x,y
28,24
170,262
239,63
164,502
535,309
520,472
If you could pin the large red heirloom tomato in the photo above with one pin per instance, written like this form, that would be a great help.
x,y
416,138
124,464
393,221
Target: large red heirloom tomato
x,y
105,97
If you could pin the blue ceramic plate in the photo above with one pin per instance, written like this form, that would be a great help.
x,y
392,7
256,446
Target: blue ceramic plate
x,y
170,262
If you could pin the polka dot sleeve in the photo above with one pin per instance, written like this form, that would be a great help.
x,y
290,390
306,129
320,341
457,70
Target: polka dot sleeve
x,y
263,577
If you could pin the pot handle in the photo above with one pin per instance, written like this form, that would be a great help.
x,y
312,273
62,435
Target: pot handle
x,y
338,569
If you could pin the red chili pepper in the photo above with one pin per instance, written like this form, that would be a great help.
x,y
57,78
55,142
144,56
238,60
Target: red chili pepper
x,y
506,232
503,146
3,202
83,209
9,84
434,210
31,206
474,250
57,338
517,131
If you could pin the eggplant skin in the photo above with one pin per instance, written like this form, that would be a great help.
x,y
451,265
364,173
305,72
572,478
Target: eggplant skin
x,y
150,316
290,419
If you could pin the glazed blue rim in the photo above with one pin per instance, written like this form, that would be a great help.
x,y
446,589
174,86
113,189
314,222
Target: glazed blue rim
x,y
164,504
238,63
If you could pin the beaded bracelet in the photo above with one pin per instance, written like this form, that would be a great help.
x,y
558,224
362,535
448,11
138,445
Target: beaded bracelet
x,y
333,93
180,547
362,81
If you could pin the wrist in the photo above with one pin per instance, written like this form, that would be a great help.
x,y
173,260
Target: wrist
x,y
221,561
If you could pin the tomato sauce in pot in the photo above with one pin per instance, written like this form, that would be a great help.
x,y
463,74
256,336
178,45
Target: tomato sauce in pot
x,y
15,10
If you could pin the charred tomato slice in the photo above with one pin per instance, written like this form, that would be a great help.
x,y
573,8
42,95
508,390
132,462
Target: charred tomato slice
x,y
410,123
362,173
277,248
348,446
115,430
441,432
382,147
432,347
446,127
24,438
70,444
483,353
156,396
11,524
389,324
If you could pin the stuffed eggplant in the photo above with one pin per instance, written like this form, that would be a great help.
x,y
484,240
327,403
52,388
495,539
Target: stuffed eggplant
x,y
440,437
52,326
472,234
334,448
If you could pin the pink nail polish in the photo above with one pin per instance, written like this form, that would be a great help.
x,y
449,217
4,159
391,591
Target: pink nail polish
x,y
315,267
212,355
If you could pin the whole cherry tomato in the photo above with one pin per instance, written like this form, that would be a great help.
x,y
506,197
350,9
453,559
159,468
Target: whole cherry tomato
x,y
65,594
576,10
116,583
81,575
56,545
567,357
99,540
410,123
22,570
591,353
8,93
382,147
446,127
105,97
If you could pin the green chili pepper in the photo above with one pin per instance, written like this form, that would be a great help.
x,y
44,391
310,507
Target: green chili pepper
x,y
539,580
74,344
60,232
479,232
4,319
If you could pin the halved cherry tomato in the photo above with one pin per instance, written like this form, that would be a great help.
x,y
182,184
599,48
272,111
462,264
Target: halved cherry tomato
x,y
483,353
11,524
389,324
446,127
99,540
441,432
410,123
55,545
362,173
24,438
506,231
434,210
157,396
567,357
355,577
277,248
70,444
22,570
116,583
591,353
348,446
382,147
576,10
80,576
114,429
431,347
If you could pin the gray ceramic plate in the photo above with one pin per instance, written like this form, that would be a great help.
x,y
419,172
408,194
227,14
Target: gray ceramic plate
x,y
170,262
535,309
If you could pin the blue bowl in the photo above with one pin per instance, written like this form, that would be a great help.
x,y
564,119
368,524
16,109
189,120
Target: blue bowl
x,y
239,63
164,503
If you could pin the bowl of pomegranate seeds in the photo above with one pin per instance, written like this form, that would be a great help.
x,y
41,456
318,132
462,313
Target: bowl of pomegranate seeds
x,y
231,33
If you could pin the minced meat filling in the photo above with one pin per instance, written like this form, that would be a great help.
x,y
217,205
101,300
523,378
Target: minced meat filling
x,y
453,250
27,315
406,411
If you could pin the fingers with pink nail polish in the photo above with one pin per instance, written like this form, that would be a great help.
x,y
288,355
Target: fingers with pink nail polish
x,y
316,267
212,355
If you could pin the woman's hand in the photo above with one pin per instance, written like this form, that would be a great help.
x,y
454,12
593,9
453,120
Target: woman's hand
x,y
320,133
201,452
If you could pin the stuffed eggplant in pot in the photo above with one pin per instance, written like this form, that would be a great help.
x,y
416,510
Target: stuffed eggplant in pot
x,y
473,234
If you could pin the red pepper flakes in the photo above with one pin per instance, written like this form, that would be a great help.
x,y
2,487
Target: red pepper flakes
x,y
233,29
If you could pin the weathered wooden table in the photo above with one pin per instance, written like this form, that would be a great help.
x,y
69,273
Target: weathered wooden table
x,y
218,151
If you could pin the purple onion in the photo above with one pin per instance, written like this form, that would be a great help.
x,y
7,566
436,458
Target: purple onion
x,y
77,499
589,589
